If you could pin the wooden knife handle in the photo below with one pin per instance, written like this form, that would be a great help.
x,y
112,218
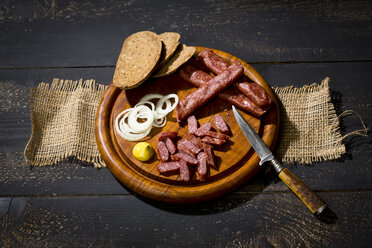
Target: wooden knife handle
x,y
307,196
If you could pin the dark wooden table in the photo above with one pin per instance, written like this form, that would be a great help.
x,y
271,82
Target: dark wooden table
x,y
288,42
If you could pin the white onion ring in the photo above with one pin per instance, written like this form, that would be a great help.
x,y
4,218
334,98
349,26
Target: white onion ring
x,y
144,103
169,106
124,131
127,125
160,122
134,136
159,107
143,112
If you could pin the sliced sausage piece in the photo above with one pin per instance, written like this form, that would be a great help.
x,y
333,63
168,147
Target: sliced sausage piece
x,y
230,94
171,146
218,135
185,156
164,135
184,170
193,148
221,125
169,168
194,140
206,92
203,129
192,124
208,150
202,168
163,151
251,89
213,141
181,147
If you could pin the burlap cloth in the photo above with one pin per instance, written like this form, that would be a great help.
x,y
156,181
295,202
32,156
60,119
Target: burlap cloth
x,y
63,115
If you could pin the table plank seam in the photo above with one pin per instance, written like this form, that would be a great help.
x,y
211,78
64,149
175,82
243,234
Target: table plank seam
x,y
232,194
252,63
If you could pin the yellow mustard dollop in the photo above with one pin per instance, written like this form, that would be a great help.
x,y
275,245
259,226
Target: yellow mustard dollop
x,y
143,151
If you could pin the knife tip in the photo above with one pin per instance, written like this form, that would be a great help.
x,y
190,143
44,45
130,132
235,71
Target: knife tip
x,y
234,110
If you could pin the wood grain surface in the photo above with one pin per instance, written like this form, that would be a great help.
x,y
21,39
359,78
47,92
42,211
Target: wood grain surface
x,y
264,31
236,162
233,221
287,42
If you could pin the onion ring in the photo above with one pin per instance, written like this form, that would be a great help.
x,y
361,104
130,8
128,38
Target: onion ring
x,y
127,124
143,112
169,106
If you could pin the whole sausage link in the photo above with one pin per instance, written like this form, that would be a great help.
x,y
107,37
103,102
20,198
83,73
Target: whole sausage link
x,y
251,89
206,92
256,93
230,94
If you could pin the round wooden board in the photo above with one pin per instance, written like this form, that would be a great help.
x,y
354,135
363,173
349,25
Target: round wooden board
x,y
237,162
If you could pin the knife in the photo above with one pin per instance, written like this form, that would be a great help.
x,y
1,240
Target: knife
x,y
306,195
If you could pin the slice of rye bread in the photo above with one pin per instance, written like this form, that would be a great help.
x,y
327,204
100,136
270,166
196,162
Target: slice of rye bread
x,y
181,56
170,42
137,60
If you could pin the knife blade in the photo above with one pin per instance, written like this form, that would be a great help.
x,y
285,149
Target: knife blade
x,y
306,195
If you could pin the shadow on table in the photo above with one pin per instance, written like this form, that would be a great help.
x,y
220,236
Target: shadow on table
x,y
238,198
222,204
327,216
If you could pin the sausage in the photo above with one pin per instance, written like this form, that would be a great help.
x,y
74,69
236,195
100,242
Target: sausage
x,y
206,92
171,146
256,93
181,147
251,89
208,150
189,145
214,62
195,76
169,168
230,94
163,151
202,168
203,129
217,135
185,156
192,124
213,141
220,124
194,140
164,135
184,170
238,99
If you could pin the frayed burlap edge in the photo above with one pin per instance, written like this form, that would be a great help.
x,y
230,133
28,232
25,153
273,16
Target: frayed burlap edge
x,y
42,149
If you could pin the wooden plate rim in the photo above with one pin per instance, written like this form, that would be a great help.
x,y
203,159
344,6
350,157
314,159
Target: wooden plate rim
x,y
180,193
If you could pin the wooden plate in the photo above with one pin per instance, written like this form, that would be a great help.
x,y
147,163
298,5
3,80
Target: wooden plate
x,y
237,161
